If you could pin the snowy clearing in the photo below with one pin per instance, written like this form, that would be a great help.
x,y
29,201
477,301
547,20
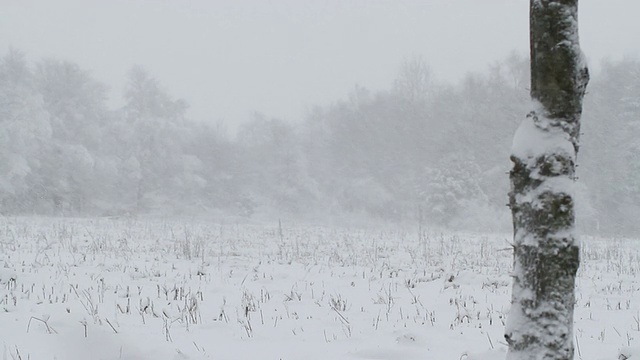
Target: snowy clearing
x,y
150,289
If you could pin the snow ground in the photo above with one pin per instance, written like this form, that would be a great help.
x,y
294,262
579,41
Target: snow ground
x,y
149,289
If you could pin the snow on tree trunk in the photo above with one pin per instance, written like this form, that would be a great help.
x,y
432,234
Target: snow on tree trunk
x,y
545,146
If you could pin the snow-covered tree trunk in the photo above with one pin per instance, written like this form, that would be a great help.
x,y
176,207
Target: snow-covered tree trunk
x,y
546,251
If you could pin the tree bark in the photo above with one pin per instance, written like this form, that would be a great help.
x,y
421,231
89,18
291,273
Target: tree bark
x,y
545,147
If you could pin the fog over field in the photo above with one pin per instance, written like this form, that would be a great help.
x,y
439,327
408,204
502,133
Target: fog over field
x,y
322,112
333,112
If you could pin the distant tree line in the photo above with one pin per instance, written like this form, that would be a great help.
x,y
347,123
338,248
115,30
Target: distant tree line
x,y
420,150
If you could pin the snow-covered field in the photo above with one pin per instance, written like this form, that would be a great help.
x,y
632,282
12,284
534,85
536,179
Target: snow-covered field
x,y
149,289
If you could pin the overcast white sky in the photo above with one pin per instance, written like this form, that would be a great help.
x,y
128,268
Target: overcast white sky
x,y
230,58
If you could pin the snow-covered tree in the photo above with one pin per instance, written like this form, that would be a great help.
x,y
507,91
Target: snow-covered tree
x,y
413,83
611,154
151,138
449,188
76,104
545,146
25,132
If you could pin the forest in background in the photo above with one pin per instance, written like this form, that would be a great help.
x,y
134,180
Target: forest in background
x,y
420,151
